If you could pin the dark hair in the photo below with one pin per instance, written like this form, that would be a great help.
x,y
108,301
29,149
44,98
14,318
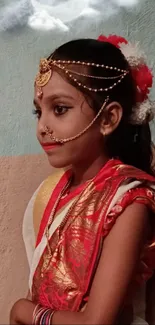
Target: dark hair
x,y
130,143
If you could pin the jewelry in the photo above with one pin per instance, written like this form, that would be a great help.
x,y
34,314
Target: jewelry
x,y
46,68
94,77
38,306
104,133
42,315
45,73
37,314
70,75
49,133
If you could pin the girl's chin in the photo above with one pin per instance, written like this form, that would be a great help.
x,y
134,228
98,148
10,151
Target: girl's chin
x,y
57,162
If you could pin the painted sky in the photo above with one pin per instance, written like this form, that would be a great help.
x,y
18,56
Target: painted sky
x,y
58,14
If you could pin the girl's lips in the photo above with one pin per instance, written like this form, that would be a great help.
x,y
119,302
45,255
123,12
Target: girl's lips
x,y
49,146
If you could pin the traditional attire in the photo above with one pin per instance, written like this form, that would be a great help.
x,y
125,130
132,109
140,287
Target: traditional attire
x,y
83,219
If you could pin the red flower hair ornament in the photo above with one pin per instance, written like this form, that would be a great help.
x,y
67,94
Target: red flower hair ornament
x,y
144,110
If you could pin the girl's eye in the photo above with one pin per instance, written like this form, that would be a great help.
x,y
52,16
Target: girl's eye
x,y
37,113
60,110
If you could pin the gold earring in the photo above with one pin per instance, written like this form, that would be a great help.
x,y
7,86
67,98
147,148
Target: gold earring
x,y
103,133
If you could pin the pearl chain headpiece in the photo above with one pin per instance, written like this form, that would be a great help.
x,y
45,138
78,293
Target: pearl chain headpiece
x,y
45,73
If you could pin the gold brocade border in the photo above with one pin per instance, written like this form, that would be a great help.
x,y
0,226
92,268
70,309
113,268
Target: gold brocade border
x,y
43,197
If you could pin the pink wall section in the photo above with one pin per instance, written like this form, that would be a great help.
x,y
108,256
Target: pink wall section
x,y
19,176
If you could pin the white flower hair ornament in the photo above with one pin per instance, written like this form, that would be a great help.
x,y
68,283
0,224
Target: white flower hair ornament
x,y
144,111
134,55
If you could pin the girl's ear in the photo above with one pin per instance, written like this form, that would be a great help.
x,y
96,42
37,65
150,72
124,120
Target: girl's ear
x,y
111,118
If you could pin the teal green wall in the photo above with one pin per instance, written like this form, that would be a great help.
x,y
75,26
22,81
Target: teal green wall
x,y
20,51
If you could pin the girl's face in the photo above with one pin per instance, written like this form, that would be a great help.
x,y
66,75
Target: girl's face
x,y
64,110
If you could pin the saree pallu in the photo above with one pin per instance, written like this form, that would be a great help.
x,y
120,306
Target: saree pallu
x,y
83,219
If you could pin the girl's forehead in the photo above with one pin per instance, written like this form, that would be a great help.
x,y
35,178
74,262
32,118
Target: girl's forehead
x,y
58,86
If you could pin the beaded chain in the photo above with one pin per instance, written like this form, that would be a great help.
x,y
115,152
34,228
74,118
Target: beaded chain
x,y
45,73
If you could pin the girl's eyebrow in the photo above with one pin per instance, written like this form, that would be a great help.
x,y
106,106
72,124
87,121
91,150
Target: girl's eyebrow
x,y
58,95
53,97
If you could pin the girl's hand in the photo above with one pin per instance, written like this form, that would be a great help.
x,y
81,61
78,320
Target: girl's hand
x,y
22,312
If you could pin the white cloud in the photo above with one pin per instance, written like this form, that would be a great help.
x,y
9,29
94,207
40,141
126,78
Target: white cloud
x,y
56,14
44,21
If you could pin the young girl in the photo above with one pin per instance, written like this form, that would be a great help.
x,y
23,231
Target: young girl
x,y
92,223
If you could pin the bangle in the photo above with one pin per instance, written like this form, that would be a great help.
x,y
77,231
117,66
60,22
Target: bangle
x,y
47,317
37,313
38,306
50,318
42,315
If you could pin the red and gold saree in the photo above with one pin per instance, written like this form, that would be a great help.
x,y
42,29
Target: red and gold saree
x,y
83,219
